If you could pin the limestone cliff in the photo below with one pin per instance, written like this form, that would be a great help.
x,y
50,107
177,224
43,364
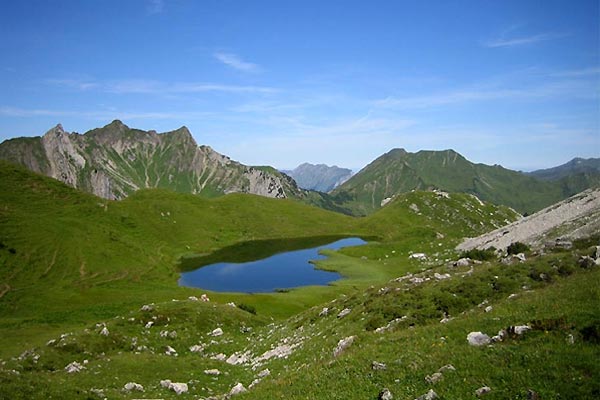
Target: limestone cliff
x,y
115,161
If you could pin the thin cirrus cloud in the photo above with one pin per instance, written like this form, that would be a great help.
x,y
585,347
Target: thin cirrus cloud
x,y
235,62
155,6
135,86
522,40
100,115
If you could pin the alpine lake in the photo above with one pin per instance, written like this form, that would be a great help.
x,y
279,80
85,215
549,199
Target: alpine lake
x,y
263,266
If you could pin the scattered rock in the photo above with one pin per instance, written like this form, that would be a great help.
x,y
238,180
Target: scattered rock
x,y
74,367
231,304
237,389
104,331
431,395
197,348
177,387
204,298
520,257
513,296
147,307
344,312
483,390
385,394
462,262
447,367
570,339
192,298
281,351
418,256
342,345
378,366
149,324
518,329
532,395
237,358
213,372
390,325
264,373
440,277
324,312
478,339
434,378
131,386
219,357
170,351
500,336
216,332
488,309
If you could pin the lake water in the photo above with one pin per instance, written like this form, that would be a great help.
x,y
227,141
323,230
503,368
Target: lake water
x,y
284,270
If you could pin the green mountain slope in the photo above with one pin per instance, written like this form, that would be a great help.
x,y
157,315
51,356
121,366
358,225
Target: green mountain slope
x,y
399,171
319,177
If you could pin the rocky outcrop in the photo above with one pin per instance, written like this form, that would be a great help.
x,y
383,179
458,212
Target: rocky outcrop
x,y
573,218
114,161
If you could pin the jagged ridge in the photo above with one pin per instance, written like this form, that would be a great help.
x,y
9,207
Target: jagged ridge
x,y
114,161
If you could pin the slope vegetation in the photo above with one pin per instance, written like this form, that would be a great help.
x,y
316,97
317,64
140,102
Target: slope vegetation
x,y
400,171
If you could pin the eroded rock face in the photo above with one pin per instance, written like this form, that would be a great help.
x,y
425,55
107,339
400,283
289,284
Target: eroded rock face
x,y
114,161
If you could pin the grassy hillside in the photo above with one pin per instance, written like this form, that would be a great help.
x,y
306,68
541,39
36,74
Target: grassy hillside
x,y
399,171
76,270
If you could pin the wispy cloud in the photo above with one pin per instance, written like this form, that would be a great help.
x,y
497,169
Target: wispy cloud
x,y
136,86
522,40
101,115
561,89
155,6
235,62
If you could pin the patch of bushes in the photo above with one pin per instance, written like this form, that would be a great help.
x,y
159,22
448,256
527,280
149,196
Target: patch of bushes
x,y
481,255
247,308
516,248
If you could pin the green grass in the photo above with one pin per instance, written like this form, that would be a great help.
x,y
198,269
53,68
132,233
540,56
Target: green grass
x,y
70,260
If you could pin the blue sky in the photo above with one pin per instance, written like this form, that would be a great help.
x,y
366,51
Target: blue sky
x,y
515,83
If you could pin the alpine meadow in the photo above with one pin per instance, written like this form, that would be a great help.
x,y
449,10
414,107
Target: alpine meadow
x,y
173,173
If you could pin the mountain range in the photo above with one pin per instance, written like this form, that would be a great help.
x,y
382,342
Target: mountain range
x,y
320,177
115,161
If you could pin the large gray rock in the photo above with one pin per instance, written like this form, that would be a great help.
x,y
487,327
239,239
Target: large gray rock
x,y
342,345
478,339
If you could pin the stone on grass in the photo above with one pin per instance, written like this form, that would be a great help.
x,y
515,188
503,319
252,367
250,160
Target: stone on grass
x,y
213,372
192,298
462,262
74,367
104,331
216,332
431,395
177,387
147,307
131,386
324,312
434,378
447,367
478,339
170,351
237,389
342,345
197,348
264,373
441,277
518,329
483,390
378,366
344,312
204,298
488,309
385,394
